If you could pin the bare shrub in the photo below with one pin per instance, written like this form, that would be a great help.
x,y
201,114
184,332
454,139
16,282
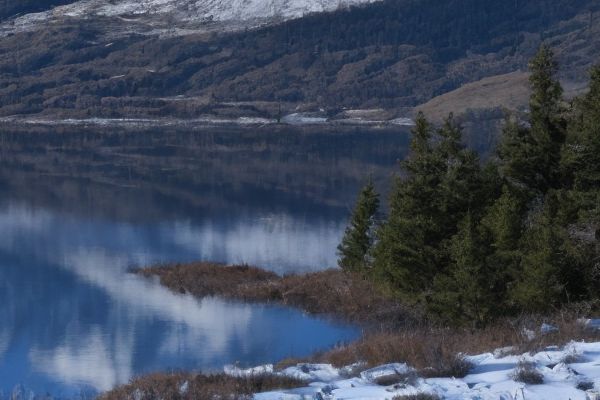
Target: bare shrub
x,y
527,372
408,378
420,396
573,358
585,385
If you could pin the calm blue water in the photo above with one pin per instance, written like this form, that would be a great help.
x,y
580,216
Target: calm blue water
x,y
73,221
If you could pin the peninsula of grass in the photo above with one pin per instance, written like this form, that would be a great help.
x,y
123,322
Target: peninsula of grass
x,y
333,292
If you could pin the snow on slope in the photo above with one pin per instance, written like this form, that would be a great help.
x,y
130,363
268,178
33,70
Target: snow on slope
x,y
571,373
243,13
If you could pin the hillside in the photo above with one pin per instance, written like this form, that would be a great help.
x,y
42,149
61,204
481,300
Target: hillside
x,y
394,55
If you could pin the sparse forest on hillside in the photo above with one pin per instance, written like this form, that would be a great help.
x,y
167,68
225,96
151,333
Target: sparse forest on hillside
x,y
391,54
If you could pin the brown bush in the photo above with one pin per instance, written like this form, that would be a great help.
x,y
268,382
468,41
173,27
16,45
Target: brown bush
x,y
527,372
189,386
420,396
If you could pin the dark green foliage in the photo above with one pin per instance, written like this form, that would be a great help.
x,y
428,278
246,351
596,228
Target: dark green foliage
x,y
477,243
359,236
464,293
539,284
516,150
546,119
406,253
581,155
442,181
460,182
531,155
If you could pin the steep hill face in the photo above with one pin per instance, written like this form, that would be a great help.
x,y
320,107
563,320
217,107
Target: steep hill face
x,y
394,54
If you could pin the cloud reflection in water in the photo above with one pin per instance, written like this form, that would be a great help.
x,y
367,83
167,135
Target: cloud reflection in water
x,y
73,317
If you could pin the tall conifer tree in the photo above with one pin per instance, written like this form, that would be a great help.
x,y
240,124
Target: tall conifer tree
x,y
531,155
355,249
405,256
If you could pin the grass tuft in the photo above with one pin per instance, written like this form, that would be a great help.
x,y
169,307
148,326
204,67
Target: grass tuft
x,y
420,396
585,385
527,372
409,378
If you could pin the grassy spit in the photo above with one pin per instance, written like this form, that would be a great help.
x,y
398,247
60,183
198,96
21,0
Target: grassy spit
x,y
333,292
393,332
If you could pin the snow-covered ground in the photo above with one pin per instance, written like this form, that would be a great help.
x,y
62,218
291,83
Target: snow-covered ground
x,y
174,14
572,372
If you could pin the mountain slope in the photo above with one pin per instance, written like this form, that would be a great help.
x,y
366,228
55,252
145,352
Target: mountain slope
x,y
178,17
394,54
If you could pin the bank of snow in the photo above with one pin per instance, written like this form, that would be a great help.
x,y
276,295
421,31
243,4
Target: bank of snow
x,y
572,372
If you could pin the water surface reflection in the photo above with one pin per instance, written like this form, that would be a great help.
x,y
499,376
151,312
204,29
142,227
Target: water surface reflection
x,y
78,210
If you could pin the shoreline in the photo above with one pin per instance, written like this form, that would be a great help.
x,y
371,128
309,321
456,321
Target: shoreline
x,y
429,357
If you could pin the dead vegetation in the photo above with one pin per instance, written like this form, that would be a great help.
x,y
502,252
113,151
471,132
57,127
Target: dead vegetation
x,y
527,372
190,386
333,292
440,352
420,396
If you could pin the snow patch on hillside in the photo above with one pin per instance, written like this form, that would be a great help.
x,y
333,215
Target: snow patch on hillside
x,y
181,13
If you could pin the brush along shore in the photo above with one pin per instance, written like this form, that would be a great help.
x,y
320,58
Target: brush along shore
x,y
429,353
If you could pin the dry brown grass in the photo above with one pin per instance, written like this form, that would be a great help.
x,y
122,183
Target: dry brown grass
x,y
190,386
437,352
333,292
527,372
420,396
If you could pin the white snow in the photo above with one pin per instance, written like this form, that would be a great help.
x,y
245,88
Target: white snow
x,y
302,119
181,13
491,378
233,370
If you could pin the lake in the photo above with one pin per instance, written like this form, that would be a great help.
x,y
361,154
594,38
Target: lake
x,y
80,207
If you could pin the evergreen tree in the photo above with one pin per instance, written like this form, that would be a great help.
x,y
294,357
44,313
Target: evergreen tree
x,y
405,256
549,273
463,295
441,182
580,204
503,222
355,248
581,155
461,182
502,227
531,156
546,117
516,153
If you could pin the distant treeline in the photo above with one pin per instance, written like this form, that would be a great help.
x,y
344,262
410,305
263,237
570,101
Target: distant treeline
x,y
520,233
